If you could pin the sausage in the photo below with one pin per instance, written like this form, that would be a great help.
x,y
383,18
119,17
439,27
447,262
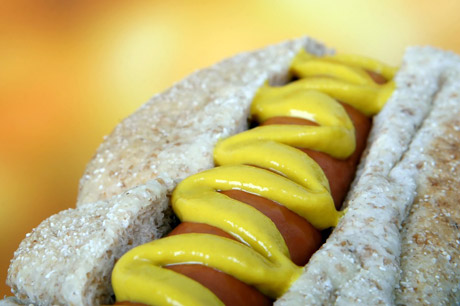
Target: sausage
x,y
300,236
227,288
339,173
379,79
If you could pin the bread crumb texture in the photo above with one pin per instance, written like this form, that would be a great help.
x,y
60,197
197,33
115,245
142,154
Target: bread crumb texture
x,y
124,194
68,258
430,260
413,158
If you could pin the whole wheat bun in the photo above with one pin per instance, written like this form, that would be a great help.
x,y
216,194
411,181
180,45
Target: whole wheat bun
x,y
373,257
124,193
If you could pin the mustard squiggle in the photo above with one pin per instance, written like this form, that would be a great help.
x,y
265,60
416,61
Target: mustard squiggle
x,y
263,161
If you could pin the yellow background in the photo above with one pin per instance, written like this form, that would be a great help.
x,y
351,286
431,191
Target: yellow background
x,y
71,70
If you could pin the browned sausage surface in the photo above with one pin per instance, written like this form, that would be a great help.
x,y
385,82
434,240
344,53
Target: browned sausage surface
x,y
301,238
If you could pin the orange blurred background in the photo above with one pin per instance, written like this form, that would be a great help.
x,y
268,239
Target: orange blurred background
x,y
71,70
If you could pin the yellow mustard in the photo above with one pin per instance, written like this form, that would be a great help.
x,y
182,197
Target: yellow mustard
x,y
262,161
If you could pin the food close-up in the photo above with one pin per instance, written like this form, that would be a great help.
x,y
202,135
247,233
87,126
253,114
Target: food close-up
x,y
285,127
287,172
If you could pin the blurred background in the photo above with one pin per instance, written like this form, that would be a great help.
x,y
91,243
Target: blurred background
x,y
71,70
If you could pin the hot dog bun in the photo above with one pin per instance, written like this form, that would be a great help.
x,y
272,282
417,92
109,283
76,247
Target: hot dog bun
x,y
123,199
430,236
360,263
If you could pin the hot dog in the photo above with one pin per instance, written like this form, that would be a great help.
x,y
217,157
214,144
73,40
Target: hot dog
x,y
122,219
330,140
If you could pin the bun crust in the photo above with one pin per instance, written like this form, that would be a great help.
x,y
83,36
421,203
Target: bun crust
x,y
68,258
360,262
430,257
